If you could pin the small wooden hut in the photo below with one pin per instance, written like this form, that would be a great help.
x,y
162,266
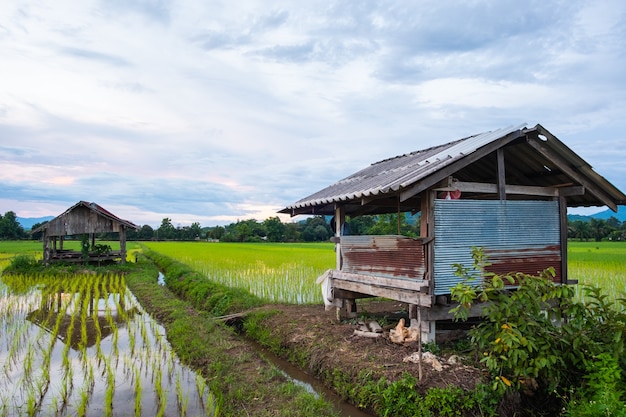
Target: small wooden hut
x,y
506,191
88,219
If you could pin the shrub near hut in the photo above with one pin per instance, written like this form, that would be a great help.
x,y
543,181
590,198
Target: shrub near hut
x,y
528,346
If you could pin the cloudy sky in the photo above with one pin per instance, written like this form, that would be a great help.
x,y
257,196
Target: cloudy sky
x,y
211,111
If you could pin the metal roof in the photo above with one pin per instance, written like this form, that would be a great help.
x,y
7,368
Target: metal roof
x,y
533,157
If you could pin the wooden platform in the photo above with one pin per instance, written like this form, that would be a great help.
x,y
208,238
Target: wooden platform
x,y
75,256
351,286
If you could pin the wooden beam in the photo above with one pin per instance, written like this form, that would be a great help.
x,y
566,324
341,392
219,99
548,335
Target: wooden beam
x,y
442,312
569,191
419,285
405,296
567,170
485,188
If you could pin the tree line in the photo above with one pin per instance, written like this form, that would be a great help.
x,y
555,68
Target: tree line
x,y
312,229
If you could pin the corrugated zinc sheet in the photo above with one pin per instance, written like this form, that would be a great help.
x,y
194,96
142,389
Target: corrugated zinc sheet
x,y
385,256
518,236
392,174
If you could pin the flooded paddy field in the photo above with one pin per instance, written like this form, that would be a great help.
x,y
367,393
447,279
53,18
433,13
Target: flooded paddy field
x,y
81,345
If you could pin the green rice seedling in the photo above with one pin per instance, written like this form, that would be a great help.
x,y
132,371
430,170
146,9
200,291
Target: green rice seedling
x,y
137,388
77,367
65,395
274,272
161,395
28,361
110,390
4,408
42,389
31,404
601,264
83,405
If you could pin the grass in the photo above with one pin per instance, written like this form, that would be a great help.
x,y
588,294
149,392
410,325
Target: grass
x,y
274,272
601,264
231,369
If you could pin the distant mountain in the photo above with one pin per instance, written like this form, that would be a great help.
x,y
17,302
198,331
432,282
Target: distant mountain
x,y
608,213
603,215
28,222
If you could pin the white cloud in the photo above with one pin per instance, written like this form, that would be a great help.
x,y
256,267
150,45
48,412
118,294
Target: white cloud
x,y
218,112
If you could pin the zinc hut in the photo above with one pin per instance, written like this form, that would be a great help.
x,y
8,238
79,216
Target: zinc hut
x,y
506,191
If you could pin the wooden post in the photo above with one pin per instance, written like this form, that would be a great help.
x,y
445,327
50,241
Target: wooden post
x,y
348,306
428,326
501,175
46,247
340,218
427,230
419,345
123,243
563,238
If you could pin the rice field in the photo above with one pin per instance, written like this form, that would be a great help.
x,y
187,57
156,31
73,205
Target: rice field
x,y
601,264
274,272
81,345
286,273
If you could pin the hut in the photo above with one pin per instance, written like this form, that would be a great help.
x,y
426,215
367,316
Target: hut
x,y
506,191
83,219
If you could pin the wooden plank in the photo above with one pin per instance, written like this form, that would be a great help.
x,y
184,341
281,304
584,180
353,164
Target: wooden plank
x,y
480,187
404,296
418,285
573,190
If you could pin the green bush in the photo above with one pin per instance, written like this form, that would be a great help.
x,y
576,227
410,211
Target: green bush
x,y
22,263
539,338
602,393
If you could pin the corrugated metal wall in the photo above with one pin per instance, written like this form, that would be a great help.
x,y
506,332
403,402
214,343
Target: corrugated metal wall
x,y
518,236
385,256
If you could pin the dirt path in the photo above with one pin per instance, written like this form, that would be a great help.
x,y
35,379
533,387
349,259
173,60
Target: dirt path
x,y
312,333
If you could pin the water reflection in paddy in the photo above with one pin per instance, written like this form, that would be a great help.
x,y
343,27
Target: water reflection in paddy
x,y
82,345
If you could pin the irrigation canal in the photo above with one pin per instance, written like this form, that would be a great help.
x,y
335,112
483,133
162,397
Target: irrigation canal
x,y
85,346
299,377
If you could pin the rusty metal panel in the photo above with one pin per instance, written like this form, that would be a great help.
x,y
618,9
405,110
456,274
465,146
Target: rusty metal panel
x,y
529,260
386,256
517,236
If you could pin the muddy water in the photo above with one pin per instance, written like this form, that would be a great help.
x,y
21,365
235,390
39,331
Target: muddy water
x,y
311,384
71,350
